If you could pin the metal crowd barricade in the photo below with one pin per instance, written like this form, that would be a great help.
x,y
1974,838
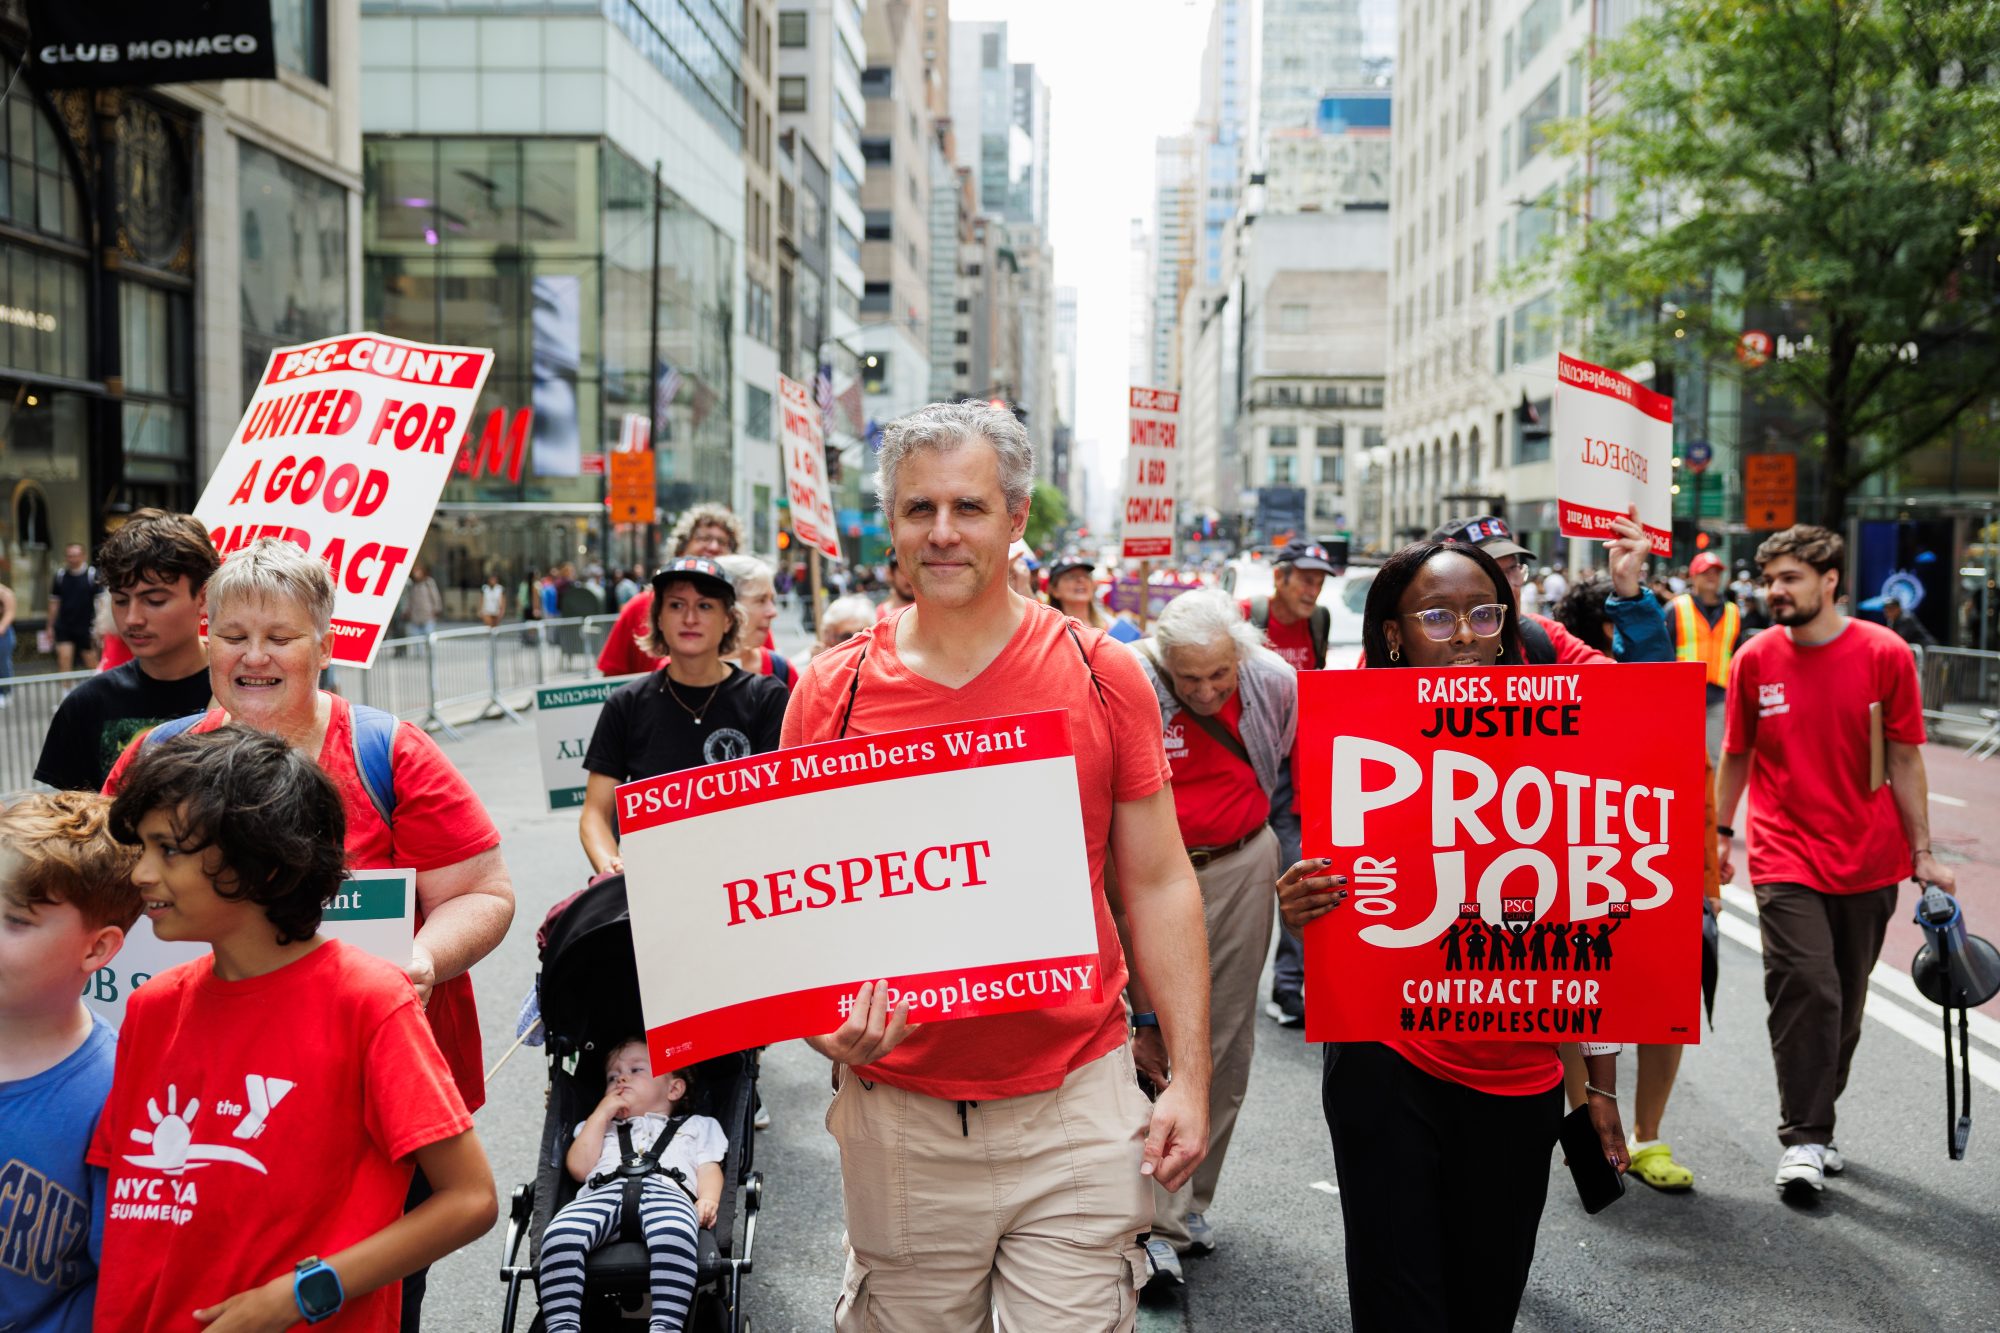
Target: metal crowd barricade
x,y
30,701
1961,692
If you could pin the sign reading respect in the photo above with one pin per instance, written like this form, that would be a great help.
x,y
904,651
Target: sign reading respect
x,y
1614,443
344,449
948,861
1523,848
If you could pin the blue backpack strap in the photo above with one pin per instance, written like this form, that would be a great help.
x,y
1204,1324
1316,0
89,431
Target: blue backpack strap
x,y
375,758
166,731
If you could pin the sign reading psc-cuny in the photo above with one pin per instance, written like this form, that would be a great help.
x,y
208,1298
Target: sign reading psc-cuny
x,y
344,449
948,861
1614,442
1151,447
565,719
1523,849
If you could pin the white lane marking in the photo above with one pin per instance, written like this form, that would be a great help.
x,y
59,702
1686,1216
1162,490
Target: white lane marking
x,y
1924,1032
1942,799
1325,1187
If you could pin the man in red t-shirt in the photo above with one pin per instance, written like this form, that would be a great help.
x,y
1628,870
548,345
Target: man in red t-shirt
x,y
1826,729
703,529
1230,710
1291,617
996,1167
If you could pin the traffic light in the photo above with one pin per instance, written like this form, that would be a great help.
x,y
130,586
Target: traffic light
x,y
784,541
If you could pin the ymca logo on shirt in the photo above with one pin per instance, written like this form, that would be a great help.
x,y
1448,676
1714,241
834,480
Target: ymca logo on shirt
x,y
724,744
1771,700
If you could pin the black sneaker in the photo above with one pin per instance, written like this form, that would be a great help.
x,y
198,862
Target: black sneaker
x,y
1288,1008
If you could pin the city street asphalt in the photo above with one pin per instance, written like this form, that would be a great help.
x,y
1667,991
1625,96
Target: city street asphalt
x,y
1906,1240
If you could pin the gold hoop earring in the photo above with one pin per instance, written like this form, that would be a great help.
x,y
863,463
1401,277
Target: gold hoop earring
x,y
1395,653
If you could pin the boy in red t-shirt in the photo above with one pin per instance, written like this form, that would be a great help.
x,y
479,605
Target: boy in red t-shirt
x,y
271,1099
1829,841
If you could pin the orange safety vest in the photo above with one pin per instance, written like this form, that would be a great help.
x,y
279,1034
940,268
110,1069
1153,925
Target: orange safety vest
x,y
1696,641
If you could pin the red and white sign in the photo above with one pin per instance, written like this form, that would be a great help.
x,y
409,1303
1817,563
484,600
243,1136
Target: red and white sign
x,y
1151,449
805,469
344,449
1523,848
1614,442
948,861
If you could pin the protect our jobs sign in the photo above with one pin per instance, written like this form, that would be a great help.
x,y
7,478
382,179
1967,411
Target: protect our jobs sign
x,y
948,861
375,910
1151,447
344,449
806,486
565,719
1614,444
1523,852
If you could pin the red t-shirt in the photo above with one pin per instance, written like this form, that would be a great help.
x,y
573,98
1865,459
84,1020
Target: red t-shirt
x,y
621,654
1801,713
439,822
1217,798
1293,642
116,653
253,1123
1118,758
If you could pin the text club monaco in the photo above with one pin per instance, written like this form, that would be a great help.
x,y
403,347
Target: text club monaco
x,y
1538,828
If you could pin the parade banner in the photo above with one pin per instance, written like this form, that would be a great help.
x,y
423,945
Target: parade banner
x,y
344,449
1151,448
1614,443
375,911
947,861
565,719
1523,848
805,469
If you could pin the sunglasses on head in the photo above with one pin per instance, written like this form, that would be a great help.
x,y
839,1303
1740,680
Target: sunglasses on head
x,y
1440,624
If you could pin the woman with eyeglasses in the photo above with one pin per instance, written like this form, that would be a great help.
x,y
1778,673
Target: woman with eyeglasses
x,y
1442,1147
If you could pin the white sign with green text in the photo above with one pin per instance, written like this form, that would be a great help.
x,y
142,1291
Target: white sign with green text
x,y
565,717
375,910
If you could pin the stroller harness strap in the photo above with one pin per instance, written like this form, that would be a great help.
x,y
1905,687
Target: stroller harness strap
x,y
633,1168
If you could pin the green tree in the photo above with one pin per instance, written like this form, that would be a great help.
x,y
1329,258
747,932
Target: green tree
x,y
1048,515
1826,164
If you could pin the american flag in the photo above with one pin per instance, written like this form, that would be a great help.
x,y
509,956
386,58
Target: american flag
x,y
666,388
850,403
823,395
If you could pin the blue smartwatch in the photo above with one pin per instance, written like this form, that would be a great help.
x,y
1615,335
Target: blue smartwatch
x,y
316,1287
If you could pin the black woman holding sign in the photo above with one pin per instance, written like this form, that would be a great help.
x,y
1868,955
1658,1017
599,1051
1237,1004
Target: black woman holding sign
x,y
1432,1244
700,708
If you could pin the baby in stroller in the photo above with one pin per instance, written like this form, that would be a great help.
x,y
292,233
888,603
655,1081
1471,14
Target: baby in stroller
x,y
678,1158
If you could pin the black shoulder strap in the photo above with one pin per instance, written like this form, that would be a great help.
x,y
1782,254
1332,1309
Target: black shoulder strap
x,y
1321,626
1535,641
1260,612
853,688
1216,731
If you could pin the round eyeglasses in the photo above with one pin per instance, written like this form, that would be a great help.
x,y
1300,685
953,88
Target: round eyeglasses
x,y
1440,624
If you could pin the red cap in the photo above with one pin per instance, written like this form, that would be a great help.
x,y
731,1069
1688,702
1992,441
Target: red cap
x,y
1707,560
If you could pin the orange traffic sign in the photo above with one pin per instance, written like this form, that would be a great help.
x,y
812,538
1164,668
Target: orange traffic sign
x,y
1770,491
633,497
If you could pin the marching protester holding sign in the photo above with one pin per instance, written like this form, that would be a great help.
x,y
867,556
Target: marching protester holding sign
x,y
270,607
996,1168
700,708
1432,1244
1825,731
1229,709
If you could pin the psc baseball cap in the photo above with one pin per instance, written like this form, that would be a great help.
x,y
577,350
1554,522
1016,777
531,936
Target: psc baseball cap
x,y
1488,532
702,572
1706,561
1306,555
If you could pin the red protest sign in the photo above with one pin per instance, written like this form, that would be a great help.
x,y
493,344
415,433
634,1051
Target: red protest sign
x,y
1523,852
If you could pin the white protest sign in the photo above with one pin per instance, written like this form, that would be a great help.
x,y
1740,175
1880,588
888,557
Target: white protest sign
x,y
375,911
948,861
344,449
1150,451
1614,443
565,719
805,469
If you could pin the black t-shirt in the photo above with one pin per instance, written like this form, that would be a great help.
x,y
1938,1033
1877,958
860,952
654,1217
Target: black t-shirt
x,y
642,732
99,718
75,596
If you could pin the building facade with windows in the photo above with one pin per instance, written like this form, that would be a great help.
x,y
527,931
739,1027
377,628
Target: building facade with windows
x,y
895,340
156,242
525,165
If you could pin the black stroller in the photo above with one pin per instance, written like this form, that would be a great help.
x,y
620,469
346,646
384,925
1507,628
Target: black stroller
x,y
589,996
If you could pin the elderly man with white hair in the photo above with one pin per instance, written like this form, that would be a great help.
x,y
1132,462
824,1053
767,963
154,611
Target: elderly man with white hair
x,y
1229,711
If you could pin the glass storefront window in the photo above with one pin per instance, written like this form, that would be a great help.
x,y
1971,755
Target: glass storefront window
x,y
294,257
43,313
36,193
298,34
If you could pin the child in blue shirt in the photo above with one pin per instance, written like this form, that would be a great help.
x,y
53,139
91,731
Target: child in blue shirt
x,y
66,901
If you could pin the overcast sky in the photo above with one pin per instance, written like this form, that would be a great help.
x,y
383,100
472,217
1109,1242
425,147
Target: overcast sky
x,y
1120,74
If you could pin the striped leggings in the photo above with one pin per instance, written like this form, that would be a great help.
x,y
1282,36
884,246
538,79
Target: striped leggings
x,y
590,1220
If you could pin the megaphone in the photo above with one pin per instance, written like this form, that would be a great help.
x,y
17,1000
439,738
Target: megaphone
x,y
1954,970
